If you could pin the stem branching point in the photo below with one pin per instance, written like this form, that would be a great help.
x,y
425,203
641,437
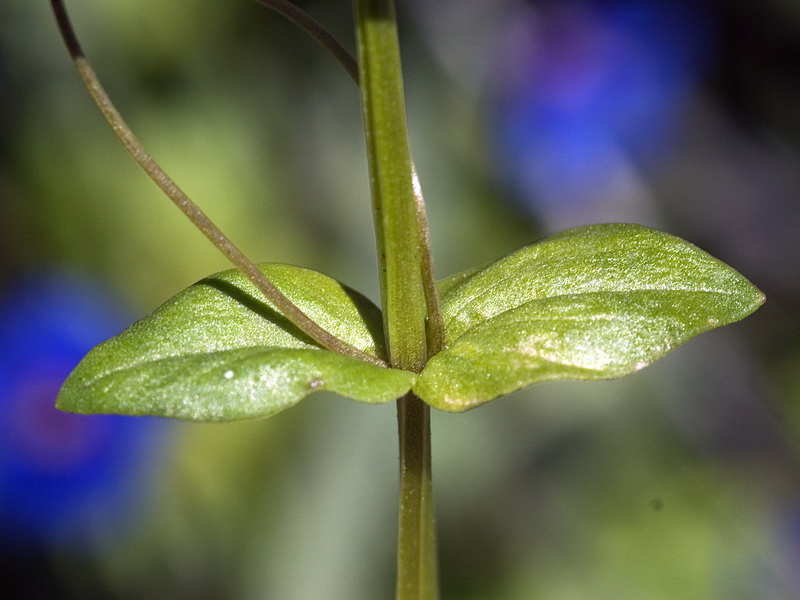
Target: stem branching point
x,y
408,300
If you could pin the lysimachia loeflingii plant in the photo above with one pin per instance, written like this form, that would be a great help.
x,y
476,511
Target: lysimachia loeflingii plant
x,y
595,302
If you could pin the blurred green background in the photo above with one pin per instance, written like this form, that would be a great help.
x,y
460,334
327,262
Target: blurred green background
x,y
678,483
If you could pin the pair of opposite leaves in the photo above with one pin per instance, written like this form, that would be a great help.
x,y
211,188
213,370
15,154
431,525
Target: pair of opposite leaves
x,y
595,302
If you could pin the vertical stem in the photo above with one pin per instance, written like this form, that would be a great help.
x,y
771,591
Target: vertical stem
x,y
417,564
393,201
403,294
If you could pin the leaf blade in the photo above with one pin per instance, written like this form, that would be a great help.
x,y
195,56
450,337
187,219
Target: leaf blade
x,y
216,351
543,313
606,257
235,384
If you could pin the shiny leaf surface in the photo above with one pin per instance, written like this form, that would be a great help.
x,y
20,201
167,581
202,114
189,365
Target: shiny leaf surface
x,y
218,352
595,302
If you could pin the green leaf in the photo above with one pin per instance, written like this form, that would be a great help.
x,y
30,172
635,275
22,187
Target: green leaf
x,y
445,285
595,302
218,352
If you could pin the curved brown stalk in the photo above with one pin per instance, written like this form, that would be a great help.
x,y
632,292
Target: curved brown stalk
x,y
189,208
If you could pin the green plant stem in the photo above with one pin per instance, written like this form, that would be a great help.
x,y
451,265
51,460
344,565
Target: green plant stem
x,y
400,226
185,204
417,564
437,338
436,332
393,202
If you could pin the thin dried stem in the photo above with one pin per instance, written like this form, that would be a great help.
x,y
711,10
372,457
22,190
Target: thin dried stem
x,y
316,30
189,208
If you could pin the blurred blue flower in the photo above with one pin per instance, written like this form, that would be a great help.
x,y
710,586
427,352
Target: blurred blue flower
x,y
589,88
61,475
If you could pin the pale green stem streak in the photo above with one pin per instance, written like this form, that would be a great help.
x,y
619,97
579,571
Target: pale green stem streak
x,y
401,255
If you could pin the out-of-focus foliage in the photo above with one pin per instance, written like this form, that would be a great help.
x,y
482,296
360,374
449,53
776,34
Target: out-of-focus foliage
x,y
678,483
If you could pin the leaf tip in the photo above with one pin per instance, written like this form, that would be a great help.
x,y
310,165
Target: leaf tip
x,y
753,302
762,298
